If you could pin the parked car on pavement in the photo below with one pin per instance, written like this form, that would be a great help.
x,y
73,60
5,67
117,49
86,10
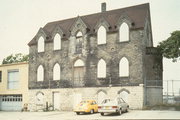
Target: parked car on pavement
x,y
86,106
117,105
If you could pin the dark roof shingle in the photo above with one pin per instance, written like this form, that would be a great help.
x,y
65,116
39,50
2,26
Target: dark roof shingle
x,y
136,13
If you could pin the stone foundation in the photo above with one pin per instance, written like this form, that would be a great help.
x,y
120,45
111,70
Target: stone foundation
x,y
67,96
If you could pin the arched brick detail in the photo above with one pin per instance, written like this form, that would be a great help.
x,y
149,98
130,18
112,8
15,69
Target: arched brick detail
x,y
39,92
101,90
123,89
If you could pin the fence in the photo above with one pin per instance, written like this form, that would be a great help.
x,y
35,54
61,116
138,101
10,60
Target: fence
x,y
171,91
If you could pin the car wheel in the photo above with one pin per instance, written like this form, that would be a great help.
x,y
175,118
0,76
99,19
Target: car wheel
x,y
127,108
120,112
77,113
102,114
92,111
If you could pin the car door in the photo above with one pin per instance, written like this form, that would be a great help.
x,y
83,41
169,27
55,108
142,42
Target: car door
x,y
95,106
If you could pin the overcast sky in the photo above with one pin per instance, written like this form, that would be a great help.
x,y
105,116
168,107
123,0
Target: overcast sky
x,y
20,20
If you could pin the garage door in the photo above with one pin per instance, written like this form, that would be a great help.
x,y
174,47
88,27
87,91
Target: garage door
x,y
11,102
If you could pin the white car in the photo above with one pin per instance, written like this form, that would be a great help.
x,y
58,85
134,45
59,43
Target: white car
x,y
117,105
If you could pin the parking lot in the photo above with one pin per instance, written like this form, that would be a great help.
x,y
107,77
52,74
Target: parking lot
x,y
132,114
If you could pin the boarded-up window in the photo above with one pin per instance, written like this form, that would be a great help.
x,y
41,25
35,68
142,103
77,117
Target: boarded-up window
x,y
124,95
40,98
124,32
101,35
101,69
57,42
40,73
56,72
124,67
41,44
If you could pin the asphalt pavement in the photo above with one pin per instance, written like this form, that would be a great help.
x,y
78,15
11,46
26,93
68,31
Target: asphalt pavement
x,y
61,115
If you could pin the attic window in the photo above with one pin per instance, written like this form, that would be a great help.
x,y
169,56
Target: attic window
x,y
41,44
101,35
57,42
79,41
124,32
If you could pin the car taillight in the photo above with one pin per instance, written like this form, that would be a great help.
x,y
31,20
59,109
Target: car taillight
x,y
114,106
99,107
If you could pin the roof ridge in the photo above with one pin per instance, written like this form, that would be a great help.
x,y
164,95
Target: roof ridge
x,y
97,13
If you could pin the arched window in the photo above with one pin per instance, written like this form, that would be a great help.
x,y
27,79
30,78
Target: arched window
x,y
57,42
39,98
101,36
124,95
101,69
40,73
124,67
79,63
41,44
124,32
79,41
56,72
101,96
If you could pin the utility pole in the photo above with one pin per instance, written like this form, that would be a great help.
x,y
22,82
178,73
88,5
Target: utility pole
x,y
167,90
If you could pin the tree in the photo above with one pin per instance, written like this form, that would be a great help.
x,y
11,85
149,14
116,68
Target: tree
x,y
170,48
15,58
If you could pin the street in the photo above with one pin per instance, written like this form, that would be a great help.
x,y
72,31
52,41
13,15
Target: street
x,y
132,114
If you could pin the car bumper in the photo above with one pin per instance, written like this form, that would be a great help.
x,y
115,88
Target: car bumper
x,y
107,110
82,111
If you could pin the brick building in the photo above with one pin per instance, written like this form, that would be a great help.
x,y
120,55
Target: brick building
x,y
96,56
13,86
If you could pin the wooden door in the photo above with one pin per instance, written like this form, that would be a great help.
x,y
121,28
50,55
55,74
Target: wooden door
x,y
78,76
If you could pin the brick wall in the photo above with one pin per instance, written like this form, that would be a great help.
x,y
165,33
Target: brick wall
x,y
135,96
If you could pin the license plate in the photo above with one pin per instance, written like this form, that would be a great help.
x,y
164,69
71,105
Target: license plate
x,y
106,107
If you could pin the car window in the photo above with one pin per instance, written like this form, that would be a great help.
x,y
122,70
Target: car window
x,y
105,101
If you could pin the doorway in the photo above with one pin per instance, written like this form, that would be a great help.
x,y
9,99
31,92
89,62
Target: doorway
x,y
56,100
78,73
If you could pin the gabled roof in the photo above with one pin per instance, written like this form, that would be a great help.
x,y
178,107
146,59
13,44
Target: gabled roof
x,y
137,14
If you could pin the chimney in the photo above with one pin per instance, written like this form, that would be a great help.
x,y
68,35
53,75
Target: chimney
x,y
103,7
